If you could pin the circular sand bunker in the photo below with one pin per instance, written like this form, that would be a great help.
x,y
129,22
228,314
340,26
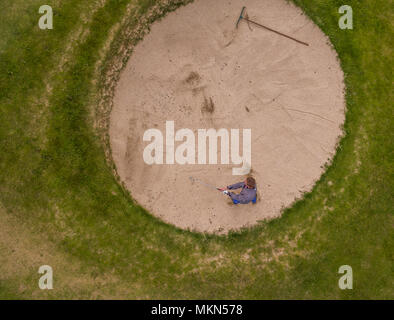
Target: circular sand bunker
x,y
195,70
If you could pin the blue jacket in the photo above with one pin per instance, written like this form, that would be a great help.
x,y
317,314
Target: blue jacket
x,y
245,196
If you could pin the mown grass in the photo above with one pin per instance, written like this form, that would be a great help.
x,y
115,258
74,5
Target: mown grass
x,y
55,179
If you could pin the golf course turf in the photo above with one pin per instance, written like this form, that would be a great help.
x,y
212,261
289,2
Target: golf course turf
x,y
62,205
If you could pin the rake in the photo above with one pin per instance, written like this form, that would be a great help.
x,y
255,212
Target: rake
x,y
242,17
193,179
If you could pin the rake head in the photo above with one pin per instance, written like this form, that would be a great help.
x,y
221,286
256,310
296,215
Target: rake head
x,y
241,16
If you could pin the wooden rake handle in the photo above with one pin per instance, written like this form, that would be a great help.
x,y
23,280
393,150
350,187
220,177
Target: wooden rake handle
x,y
277,32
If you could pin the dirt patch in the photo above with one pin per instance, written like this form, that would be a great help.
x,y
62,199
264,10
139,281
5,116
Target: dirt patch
x,y
195,69
208,105
193,78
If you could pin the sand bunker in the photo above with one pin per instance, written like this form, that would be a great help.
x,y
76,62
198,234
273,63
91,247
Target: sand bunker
x,y
196,70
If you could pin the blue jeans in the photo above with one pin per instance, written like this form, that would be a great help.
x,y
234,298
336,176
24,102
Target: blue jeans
x,y
236,201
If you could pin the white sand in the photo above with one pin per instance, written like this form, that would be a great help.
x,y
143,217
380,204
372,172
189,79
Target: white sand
x,y
294,94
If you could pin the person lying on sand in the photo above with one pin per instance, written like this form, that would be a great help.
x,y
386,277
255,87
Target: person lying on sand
x,y
248,193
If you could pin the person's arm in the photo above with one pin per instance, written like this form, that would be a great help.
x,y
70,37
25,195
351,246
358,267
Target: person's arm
x,y
236,186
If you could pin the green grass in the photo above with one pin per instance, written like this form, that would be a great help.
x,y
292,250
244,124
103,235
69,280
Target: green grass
x,y
55,179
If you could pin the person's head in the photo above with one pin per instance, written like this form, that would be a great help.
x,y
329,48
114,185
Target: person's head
x,y
250,182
